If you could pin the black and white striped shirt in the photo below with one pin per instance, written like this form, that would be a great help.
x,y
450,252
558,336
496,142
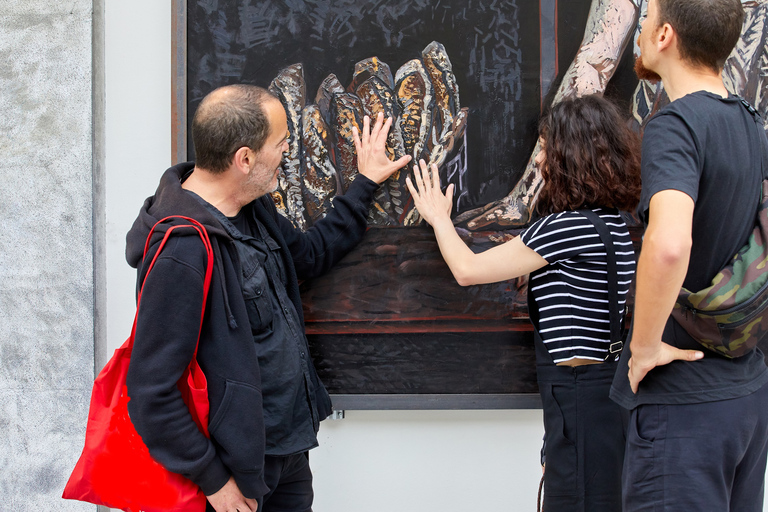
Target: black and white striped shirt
x,y
571,292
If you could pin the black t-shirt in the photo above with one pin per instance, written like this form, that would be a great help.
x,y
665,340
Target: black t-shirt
x,y
241,221
702,145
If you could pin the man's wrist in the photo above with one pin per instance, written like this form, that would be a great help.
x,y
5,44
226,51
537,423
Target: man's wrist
x,y
360,175
643,352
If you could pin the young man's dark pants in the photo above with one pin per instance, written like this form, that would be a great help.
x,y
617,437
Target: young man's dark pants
x,y
290,485
697,457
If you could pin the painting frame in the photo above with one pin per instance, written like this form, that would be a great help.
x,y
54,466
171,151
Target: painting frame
x,y
346,400
519,324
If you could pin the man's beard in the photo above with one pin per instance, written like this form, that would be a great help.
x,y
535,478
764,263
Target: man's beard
x,y
255,182
643,73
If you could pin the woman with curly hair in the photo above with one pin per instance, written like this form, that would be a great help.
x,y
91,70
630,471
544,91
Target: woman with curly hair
x,y
581,263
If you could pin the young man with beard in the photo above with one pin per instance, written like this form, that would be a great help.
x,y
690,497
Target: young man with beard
x,y
698,432
265,396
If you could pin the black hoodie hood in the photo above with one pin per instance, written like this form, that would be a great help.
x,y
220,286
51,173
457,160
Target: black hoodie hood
x,y
169,199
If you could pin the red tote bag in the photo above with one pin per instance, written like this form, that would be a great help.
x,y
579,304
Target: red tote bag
x,y
115,468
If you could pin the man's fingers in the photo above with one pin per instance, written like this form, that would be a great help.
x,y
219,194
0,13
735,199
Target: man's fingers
x,y
669,353
402,161
366,130
381,135
689,355
634,375
634,382
376,131
356,140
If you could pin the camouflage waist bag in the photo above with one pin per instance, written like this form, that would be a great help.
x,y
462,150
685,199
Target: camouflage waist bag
x,y
731,315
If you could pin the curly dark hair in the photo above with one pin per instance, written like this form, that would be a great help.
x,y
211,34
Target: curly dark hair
x,y
592,157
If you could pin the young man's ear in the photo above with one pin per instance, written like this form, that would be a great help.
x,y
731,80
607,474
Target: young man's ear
x,y
665,37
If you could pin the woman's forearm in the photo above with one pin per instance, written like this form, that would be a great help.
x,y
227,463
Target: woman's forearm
x,y
457,255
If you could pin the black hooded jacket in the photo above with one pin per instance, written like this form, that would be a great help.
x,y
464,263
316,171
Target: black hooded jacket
x,y
169,319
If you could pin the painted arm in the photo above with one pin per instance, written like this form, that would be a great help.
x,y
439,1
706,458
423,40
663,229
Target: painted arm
x,y
509,260
661,270
609,29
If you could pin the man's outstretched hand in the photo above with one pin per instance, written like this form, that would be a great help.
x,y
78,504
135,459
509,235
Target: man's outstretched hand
x,y
372,160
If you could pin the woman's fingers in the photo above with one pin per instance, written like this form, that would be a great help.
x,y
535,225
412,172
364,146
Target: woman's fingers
x,y
435,177
419,179
411,188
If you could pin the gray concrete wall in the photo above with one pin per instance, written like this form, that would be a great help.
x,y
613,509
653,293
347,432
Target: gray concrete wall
x,y
46,247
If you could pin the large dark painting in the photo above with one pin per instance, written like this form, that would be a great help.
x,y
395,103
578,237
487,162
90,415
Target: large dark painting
x,y
465,83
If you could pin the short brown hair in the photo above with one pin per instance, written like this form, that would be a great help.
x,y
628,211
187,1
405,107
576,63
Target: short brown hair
x,y
707,29
229,118
592,157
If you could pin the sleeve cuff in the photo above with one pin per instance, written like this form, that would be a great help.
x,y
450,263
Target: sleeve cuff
x,y
361,190
212,477
252,485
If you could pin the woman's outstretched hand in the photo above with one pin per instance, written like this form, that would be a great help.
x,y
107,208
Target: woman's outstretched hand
x,y
429,200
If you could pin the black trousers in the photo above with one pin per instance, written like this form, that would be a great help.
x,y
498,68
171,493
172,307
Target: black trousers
x,y
584,435
290,485
704,457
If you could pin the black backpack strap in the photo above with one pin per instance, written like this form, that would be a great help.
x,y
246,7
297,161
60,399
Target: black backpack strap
x,y
760,133
617,342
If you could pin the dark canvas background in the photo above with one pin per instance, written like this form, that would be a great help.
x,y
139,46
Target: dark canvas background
x,y
494,47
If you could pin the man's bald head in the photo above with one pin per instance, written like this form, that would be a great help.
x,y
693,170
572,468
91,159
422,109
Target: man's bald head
x,y
229,118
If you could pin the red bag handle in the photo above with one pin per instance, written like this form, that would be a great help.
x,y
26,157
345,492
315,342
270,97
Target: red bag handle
x,y
208,269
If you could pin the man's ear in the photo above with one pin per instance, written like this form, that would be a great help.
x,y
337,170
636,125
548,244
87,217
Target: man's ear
x,y
243,159
665,37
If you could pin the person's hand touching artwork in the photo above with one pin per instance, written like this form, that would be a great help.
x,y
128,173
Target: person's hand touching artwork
x,y
432,204
372,159
421,118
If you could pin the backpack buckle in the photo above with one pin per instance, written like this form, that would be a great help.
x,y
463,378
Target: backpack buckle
x,y
614,348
